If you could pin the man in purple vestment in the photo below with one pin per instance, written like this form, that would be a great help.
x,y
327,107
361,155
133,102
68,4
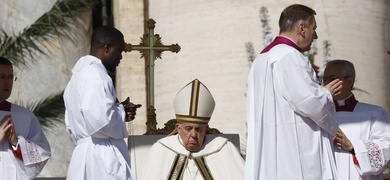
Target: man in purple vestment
x,y
291,118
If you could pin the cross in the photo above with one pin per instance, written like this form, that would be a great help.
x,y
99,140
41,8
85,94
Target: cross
x,y
151,48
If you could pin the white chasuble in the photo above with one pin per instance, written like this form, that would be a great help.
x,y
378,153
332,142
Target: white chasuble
x,y
217,159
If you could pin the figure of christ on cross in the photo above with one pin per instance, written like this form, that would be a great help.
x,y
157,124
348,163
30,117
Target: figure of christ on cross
x,y
151,48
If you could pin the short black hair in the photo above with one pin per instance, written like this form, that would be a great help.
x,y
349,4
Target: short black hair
x,y
5,61
103,35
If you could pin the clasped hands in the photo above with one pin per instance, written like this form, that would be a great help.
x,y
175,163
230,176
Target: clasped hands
x,y
130,109
7,130
342,141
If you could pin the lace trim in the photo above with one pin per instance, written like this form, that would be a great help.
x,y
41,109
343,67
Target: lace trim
x,y
32,153
374,155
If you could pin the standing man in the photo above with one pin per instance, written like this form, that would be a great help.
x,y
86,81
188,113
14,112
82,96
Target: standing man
x,y
24,149
364,150
94,119
291,118
191,153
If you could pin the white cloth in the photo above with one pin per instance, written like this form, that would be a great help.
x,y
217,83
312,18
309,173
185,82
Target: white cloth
x,y
291,119
367,127
33,143
96,123
221,157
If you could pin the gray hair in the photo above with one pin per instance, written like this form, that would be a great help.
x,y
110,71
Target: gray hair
x,y
349,69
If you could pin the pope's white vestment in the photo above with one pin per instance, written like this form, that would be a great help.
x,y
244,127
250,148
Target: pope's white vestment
x,y
291,119
219,159
95,123
34,146
368,129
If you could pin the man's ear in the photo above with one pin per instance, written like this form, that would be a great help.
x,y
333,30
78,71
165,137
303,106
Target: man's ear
x,y
107,48
301,28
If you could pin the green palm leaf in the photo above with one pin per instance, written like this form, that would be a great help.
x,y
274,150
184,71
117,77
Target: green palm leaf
x,y
49,111
19,48
56,22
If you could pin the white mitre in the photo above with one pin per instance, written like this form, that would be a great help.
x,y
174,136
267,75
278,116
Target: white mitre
x,y
194,103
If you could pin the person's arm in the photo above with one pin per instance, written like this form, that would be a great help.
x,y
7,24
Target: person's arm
x,y
298,85
31,151
105,118
373,154
342,140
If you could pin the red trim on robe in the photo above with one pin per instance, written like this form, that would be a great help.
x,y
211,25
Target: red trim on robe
x,y
17,153
355,161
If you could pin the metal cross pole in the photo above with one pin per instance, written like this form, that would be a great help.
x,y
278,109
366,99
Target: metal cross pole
x,y
151,48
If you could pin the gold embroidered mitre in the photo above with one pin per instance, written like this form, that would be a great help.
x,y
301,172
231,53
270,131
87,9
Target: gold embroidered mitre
x,y
194,103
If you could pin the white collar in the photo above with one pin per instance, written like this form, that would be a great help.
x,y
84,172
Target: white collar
x,y
341,102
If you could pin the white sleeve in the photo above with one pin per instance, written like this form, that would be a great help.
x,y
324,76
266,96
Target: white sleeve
x,y
297,82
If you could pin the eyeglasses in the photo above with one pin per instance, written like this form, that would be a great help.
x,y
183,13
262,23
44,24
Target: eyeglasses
x,y
326,80
8,78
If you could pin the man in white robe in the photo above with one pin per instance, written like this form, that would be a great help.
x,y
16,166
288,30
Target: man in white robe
x,y
291,118
364,150
95,120
191,154
24,149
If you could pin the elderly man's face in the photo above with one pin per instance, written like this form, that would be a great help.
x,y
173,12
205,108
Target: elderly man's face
x,y
192,135
336,71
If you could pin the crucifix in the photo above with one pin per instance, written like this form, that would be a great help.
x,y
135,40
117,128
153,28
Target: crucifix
x,y
151,48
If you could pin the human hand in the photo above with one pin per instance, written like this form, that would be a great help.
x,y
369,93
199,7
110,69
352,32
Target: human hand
x,y
130,109
342,141
334,87
5,126
11,135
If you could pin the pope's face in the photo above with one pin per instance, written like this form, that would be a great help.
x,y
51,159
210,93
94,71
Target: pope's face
x,y
192,135
6,81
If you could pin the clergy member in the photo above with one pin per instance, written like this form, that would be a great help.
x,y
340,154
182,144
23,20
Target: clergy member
x,y
364,150
94,119
291,118
190,153
24,149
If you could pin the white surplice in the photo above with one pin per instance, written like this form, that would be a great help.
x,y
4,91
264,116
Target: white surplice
x,y
96,124
221,158
368,129
33,143
291,119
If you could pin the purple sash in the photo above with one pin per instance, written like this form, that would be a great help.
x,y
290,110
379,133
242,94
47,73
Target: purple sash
x,y
5,106
280,40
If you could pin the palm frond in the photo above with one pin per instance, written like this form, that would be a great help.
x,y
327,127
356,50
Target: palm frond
x,y
56,22
19,48
49,111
